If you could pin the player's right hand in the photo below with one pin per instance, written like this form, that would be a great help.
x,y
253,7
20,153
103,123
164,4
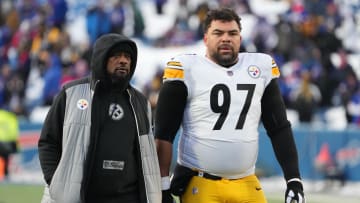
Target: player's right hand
x,y
166,196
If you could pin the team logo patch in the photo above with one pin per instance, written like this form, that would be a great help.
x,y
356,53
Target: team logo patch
x,y
82,104
116,112
254,71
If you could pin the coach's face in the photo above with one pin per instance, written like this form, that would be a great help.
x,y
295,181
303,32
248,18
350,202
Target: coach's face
x,y
222,40
118,67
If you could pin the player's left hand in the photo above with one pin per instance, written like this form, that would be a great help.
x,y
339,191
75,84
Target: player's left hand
x,y
294,192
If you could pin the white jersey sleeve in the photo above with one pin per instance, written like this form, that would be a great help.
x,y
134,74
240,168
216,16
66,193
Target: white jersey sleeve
x,y
223,110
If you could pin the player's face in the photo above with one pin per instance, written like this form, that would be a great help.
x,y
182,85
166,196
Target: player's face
x,y
118,66
223,42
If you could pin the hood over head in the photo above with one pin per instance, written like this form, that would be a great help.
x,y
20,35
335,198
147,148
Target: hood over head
x,y
104,47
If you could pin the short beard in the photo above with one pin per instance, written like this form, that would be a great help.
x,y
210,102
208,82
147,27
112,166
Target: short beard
x,y
225,61
120,82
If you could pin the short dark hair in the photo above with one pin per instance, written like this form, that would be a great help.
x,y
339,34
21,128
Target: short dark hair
x,y
223,14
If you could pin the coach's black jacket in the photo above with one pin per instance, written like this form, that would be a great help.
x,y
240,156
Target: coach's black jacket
x,y
70,131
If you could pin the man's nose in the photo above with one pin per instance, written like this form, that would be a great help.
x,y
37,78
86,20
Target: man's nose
x,y
225,37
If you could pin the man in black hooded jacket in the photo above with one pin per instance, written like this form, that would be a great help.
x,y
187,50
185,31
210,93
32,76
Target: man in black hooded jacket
x,y
97,144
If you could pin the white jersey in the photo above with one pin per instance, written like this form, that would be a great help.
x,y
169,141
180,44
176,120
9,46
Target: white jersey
x,y
223,110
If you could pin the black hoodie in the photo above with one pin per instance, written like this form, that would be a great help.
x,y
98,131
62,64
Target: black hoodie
x,y
100,54
50,142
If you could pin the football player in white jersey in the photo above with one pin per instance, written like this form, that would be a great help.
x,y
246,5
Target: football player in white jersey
x,y
219,100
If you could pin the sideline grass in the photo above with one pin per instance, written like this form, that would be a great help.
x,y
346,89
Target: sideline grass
x,y
18,193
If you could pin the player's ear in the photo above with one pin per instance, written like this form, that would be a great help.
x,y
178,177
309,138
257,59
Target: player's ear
x,y
205,38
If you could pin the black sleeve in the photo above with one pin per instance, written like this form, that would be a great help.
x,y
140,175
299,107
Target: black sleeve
x,y
279,130
170,109
50,142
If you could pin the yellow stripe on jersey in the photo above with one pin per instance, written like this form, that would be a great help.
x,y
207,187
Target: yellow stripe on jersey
x,y
174,63
275,72
172,73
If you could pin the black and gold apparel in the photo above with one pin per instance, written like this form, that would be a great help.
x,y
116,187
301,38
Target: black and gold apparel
x,y
115,155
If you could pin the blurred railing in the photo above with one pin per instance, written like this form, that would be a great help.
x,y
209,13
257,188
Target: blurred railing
x,y
321,151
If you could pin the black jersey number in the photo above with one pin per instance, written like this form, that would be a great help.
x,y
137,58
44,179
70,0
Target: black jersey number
x,y
223,108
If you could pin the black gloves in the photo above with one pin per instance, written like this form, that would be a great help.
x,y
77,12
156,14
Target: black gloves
x,y
166,196
294,192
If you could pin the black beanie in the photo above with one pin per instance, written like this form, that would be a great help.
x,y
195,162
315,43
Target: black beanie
x,y
121,47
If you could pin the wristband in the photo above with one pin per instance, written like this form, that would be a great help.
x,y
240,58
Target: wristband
x,y
165,183
294,179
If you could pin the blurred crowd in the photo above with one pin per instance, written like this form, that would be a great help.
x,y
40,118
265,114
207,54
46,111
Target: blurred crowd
x,y
311,42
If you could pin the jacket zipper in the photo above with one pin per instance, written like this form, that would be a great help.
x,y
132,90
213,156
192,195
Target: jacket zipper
x,y
137,132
